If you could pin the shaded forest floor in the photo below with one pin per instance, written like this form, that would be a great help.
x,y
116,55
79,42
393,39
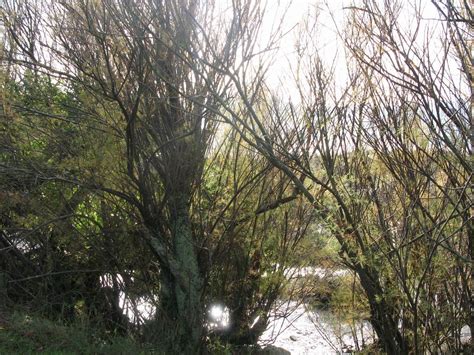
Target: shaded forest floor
x,y
25,334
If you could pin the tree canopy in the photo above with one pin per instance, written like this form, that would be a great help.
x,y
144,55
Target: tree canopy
x,y
145,158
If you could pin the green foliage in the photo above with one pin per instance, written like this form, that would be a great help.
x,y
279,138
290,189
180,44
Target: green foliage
x,y
348,302
122,168
217,347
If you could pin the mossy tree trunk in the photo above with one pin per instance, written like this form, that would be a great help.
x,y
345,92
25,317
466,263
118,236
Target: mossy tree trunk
x,y
188,295
180,316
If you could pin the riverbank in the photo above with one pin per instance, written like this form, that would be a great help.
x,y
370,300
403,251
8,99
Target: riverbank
x,y
311,331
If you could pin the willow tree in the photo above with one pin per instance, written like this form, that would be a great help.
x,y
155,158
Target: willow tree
x,y
422,110
407,110
154,78
150,73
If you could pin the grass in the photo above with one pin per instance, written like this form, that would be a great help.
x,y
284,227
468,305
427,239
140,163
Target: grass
x,y
25,334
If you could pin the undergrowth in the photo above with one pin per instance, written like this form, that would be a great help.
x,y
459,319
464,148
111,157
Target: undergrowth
x,y
25,334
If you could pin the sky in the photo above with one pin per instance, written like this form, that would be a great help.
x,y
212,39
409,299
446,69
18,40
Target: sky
x,y
296,13
329,16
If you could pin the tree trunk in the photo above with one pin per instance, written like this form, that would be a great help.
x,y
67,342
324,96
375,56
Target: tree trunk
x,y
180,318
188,293
382,315
470,232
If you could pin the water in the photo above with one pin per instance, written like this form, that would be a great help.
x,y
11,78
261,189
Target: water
x,y
306,331
292,326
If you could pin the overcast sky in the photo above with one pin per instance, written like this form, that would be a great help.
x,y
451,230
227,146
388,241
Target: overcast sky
x,y
330,15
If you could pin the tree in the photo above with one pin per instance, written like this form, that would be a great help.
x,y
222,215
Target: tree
x,y
430,129
377,151
148,78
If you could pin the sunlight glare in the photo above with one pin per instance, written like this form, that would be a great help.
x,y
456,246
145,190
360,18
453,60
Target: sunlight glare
x,y
219,316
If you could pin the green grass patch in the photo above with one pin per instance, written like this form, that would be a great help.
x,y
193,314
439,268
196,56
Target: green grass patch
x,y
25,334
